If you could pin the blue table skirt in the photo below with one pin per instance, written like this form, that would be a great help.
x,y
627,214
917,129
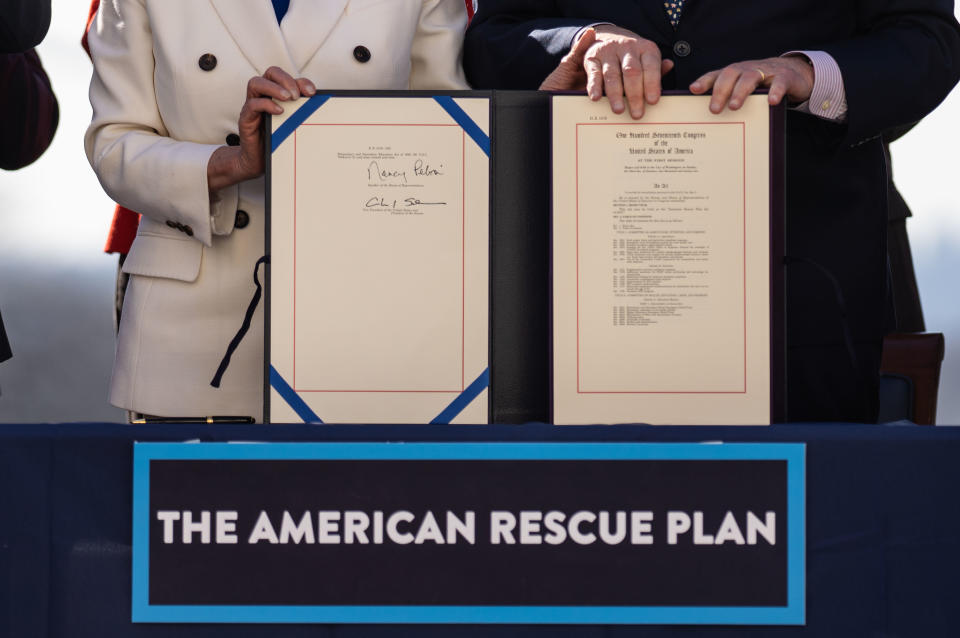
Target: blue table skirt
x,y
883,527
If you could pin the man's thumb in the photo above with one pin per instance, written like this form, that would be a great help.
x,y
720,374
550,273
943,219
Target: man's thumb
x,y
581,46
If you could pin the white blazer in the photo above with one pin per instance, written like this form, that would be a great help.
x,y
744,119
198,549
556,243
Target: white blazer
x,y
169,81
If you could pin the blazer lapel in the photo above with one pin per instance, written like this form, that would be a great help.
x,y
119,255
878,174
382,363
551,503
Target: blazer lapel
x,y
307,25
253,26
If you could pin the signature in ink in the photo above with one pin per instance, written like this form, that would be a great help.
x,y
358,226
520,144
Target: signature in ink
x,y
374,171
425,170
413,201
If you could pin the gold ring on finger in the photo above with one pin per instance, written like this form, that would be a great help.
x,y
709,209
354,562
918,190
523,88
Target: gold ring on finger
x,y
763,76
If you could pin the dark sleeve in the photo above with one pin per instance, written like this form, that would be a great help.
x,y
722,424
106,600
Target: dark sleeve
x,y
897,208
515,44
4,344
23,24
29,113
901,65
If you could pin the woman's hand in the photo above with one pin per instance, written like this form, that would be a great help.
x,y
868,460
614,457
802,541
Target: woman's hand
x,y
231,165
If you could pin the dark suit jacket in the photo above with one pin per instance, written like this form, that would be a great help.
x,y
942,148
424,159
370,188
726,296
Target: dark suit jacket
x,y
899,59
903,281
23,23
30,114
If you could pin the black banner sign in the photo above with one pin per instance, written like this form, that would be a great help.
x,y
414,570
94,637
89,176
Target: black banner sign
x,y
572,533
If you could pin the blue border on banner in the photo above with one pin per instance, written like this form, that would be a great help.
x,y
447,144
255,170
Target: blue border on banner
x,y
793,453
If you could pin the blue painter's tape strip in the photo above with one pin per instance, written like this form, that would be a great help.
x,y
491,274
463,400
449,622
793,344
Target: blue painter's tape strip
x,y
286,129
467,124
464,399
292,398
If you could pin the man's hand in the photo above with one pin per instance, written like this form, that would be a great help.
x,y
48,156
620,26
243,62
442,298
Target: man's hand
x,y
611,61
569,74
232,165
790,76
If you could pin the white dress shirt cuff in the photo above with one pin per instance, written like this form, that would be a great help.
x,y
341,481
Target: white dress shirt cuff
x,y
828,100
223,209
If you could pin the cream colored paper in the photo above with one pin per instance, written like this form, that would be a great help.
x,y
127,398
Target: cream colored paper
x,y
379,249
661,263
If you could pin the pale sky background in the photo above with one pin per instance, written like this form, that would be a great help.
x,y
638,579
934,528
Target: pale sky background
x,y
56,284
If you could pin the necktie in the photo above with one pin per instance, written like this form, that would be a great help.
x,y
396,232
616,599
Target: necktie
x,y
674,7
280,8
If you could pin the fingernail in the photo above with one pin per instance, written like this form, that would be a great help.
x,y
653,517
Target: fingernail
x,y
310,90
734,104
695,86
285,94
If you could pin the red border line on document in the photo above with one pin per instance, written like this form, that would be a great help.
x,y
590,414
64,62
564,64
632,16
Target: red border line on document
x,y
743,265
462,271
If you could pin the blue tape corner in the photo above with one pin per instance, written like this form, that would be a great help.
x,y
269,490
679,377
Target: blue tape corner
x,y
464,399
292,398
465,122
299,116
